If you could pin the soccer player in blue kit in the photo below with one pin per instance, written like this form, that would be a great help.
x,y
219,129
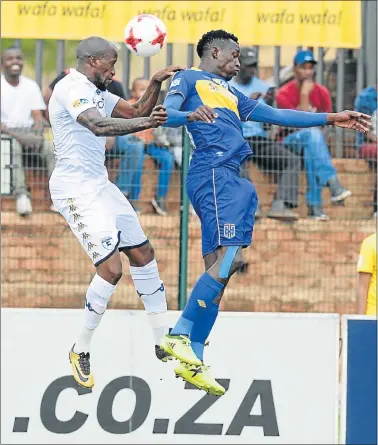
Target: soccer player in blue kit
x,y
212,111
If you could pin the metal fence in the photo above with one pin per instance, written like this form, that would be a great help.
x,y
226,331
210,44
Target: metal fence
x,y
306,265
302,265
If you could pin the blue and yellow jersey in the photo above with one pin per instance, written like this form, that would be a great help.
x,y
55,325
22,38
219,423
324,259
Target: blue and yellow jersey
x,y
221,143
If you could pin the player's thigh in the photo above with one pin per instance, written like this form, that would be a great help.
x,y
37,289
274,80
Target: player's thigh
x,y
131,233
201,194
236,202
225,204
93,224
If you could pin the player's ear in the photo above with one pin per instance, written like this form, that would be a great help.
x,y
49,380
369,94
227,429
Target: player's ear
x,y
215,52
92,60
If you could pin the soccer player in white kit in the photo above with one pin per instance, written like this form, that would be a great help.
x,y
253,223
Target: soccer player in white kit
x,y
82,113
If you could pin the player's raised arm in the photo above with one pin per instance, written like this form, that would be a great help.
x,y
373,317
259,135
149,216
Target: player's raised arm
x,y
144,106
109,126
302,119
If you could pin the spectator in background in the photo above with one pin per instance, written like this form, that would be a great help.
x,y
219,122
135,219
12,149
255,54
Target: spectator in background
x,y
366,102
155,143
367,276
304,94
131,149
268,154
22,108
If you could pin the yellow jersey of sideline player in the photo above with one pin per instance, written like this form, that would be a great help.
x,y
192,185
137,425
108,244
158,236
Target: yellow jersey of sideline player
x,y
367,263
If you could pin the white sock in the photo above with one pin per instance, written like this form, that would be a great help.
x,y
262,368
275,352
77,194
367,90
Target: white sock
x,y
96,301
152,292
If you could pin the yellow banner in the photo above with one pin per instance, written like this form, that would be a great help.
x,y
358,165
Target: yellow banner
x,y
310,23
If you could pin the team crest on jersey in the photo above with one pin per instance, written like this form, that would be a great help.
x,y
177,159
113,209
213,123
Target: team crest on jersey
x,y
221,82
107,243
175,82
229,231
79,102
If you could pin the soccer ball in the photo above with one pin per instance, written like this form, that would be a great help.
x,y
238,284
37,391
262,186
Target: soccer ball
x,y
145,35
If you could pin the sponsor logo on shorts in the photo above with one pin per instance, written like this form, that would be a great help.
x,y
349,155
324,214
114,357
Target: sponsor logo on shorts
x,y
79,102
95,255
107,243
91,246
76,217
229,231
81,226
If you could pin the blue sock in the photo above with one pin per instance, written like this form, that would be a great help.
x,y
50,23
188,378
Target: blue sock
x,y
200,313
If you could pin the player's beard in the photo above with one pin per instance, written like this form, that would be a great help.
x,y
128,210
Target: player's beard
x,y
99,82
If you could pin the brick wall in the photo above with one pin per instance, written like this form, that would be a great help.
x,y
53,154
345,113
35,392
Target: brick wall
x,y
302,266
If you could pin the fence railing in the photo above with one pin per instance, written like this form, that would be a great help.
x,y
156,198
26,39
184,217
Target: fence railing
x,y
305,264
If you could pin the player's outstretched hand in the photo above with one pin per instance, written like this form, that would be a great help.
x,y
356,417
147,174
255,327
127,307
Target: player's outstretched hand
x,y
159,116
166,73
351,119
204,114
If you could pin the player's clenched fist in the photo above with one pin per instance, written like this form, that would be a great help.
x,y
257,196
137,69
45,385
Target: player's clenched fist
x,y
204,114
158,116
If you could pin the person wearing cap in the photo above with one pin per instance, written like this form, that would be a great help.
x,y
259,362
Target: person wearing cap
x,y
304,94
268,154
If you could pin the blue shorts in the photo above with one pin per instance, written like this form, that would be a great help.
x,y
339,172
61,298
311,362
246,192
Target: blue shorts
x,y
225,204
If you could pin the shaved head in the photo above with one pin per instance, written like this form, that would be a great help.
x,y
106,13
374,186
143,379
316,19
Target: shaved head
x,y
95,46
96,58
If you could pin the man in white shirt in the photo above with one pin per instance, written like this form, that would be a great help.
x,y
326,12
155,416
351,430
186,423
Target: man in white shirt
x,y
22,106
82,113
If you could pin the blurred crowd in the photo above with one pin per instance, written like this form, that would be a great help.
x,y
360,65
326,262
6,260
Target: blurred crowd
x,y
279,151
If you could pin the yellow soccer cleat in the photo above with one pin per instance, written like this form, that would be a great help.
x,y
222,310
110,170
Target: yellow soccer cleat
x,y
179,347
200,376
81,368
162,355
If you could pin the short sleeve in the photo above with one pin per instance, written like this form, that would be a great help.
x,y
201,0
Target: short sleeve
x,y
111,101
366,258
77,98
179,85
245,105
35,98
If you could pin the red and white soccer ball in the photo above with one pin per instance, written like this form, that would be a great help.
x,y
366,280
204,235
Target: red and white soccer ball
x,y
145,35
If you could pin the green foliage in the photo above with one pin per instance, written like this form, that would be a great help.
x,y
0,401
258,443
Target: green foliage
x,y
49,53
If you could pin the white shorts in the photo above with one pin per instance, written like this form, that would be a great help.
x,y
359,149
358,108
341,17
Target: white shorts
x,y
103,222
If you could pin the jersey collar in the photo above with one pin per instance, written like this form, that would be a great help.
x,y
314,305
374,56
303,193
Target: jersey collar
x,y
79,76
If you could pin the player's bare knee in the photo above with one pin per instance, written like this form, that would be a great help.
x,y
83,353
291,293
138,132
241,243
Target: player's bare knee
x,y
141,256
114,275
237,264
110,272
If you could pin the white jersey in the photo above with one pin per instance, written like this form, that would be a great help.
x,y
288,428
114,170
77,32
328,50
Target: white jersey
x,y
18,102
80,166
